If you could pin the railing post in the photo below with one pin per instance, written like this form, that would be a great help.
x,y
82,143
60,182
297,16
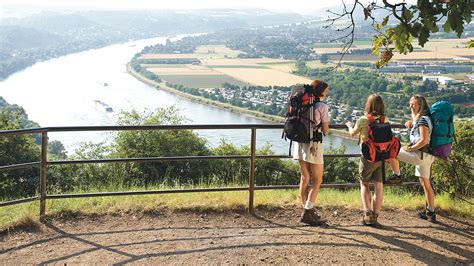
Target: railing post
x,y
43,172
252,168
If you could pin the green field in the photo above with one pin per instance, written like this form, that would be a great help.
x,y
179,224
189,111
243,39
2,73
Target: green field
x,y
362,43
201,81
326,45
277,63
162,65
235,66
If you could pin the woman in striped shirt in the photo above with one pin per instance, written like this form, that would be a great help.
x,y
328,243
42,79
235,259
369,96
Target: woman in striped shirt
x,y
415,153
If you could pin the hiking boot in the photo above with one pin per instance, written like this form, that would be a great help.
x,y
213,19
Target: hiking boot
x,y
317,217
394,180
427,215
368,218
374,218
311,218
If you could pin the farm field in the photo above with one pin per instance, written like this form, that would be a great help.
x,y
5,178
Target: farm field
x,y
216,51
183,70
289,66
201,81
445,49
167,56
219,65
264,77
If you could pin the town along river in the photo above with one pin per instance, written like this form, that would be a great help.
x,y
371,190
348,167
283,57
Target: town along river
x,y
92,87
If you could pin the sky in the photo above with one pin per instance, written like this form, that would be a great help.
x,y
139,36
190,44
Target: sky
x,y
280,5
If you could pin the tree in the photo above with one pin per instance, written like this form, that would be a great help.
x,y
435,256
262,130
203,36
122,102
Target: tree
x,y
160,143
16,149
391,87
407,22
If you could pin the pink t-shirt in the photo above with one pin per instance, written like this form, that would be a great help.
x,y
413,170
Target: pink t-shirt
x,y
321,113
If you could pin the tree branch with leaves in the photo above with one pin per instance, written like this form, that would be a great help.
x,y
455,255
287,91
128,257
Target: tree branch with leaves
x,y
408,22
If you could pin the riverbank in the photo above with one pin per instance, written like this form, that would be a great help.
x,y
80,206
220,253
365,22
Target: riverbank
x,y
270,118
199,99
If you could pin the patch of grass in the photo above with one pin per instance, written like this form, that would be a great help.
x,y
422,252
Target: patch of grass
x,y
20,217
201,81
25,216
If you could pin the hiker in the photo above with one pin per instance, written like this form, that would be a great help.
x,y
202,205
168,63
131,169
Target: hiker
x,y
310,155
374,111
416,154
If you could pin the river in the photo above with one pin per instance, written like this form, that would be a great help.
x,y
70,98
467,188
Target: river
x,y
76,89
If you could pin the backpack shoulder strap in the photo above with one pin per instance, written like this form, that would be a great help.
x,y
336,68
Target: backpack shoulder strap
x,y
370,118
382,119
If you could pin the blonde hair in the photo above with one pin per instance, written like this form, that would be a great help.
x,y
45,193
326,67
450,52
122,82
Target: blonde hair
x,y
423,106
374,105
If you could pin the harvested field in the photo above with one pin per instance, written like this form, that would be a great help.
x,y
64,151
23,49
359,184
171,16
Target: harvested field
x,y
235,237
263,77
217,50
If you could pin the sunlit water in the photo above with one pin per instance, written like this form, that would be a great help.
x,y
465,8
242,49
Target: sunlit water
x,y
66,92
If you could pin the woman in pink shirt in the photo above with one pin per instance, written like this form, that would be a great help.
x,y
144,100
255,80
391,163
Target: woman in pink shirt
x,y
310,155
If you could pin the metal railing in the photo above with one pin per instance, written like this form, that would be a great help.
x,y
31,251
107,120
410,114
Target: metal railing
x,y
44,163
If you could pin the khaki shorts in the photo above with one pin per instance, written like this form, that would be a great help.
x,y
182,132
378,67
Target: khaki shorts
x,y
301,151
422,167
370,171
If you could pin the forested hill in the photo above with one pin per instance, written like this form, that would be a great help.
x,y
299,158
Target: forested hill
x,y
47,35
13,116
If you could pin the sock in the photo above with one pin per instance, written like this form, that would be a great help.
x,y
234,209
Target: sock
x,y
430,209
396,172
308,205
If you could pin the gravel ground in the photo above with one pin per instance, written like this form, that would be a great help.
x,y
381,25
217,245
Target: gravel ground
x,y
269,236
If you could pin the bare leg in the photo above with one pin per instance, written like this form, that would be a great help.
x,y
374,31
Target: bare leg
x,y
378,197
365,195
304,180
429,193
395,165
316,180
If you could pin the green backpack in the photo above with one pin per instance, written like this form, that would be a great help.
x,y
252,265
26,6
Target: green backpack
x,y
443,129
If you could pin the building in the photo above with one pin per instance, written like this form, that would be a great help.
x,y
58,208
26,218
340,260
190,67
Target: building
x,y
440,79
469,79
434,69
392,69
414,68
458,68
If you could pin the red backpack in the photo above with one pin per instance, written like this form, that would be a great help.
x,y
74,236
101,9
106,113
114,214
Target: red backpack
x,y
381,143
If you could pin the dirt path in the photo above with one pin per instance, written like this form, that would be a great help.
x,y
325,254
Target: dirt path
x,y
237,237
